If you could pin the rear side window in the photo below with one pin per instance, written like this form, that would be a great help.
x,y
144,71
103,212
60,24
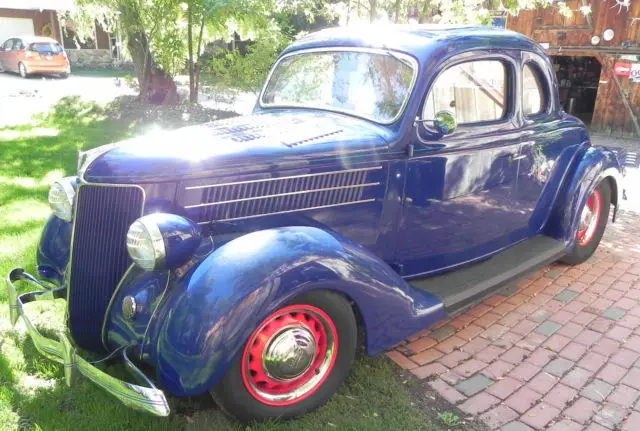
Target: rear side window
x,y
46,48
475,92
532,92
8,45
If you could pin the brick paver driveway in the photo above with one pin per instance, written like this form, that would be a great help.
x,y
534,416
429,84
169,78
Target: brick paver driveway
x,y
558,350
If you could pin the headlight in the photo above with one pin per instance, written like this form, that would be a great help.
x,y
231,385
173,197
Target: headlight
x,y
159,241
61,195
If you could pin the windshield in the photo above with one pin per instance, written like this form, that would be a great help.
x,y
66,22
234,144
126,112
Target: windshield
x,y
46,48
370,85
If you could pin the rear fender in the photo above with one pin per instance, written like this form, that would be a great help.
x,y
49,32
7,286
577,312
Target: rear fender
x,y
207,317
595,165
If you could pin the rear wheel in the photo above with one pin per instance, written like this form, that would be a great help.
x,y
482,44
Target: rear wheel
x,y
293,362
64,75
593,220
22,69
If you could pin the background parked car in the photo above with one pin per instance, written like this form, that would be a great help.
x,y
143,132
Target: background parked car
x,y
31,54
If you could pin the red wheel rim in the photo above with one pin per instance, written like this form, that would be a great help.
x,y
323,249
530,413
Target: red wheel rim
x,y
589,219
289,356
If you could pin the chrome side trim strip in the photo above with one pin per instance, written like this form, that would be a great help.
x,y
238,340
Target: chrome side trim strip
x,y
283,178
301,192
289,211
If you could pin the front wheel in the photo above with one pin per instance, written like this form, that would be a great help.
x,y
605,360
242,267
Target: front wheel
x,y
293,362
593,220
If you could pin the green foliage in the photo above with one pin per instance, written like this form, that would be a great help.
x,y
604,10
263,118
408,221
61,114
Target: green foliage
x,y
231,69
449,419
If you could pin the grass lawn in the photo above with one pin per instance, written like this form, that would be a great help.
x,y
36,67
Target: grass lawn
x,y
102,73
33,395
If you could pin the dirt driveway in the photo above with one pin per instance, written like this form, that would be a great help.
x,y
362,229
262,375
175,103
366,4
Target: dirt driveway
x,y
21,98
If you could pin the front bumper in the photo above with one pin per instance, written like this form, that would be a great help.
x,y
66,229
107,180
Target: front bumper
x,y
145,398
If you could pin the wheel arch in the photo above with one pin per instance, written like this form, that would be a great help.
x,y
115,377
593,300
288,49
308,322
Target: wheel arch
x,y
207,318
595,164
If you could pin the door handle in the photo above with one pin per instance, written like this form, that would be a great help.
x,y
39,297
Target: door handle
x,y
520,157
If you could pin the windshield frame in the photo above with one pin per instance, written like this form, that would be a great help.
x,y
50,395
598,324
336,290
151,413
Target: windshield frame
x,y
396,55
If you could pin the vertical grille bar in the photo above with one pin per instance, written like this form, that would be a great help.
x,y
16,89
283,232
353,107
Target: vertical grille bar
x,y
99,256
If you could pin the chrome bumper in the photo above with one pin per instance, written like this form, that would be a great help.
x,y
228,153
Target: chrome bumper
x,y
145,398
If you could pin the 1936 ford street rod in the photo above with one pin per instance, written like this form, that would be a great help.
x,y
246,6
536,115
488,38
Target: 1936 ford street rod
x,y
381,183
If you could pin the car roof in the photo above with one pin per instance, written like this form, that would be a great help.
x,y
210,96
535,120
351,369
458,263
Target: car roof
x,y
418,40
34,39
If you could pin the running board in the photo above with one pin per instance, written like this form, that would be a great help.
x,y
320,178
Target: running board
x,y
460,288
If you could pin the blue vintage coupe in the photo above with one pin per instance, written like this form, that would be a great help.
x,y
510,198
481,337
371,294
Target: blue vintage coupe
x,y
386,178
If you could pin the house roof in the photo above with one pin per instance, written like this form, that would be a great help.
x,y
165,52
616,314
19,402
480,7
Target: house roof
x,y
39,4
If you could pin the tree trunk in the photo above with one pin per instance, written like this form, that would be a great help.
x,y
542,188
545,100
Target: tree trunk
x,y
193,96
373,10
156,86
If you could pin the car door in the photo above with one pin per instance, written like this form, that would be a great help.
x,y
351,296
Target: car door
x,y
14,55
542,141
458,203
7,46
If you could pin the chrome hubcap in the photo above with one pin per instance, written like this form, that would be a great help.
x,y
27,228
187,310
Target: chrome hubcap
x,y
289,353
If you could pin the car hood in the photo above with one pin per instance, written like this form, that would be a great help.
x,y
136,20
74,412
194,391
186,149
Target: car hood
x,y
258,142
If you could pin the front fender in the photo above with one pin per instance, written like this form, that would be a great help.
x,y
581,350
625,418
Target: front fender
x,y
53,250
206,318
595,165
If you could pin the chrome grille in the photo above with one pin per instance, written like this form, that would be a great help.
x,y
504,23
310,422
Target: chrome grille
x,y
98,255
256,198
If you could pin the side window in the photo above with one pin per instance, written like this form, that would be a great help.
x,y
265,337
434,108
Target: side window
x,y
532,93
475,92
17,45
8,45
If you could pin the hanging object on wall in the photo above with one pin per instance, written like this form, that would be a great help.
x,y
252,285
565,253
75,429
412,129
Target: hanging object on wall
x,y
635,73
622,4
608,34
595,40
586,10
622,69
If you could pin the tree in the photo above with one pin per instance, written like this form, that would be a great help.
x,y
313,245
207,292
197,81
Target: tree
x,y
435,11
152,34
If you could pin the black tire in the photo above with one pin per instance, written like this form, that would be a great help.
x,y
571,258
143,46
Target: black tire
x,y
22,70
64,75
233,396
582,252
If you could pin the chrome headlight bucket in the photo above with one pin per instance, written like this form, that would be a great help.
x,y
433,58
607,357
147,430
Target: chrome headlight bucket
x,y
160,241
61,196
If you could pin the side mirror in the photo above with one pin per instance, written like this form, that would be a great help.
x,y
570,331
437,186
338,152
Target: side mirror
x,y
445,123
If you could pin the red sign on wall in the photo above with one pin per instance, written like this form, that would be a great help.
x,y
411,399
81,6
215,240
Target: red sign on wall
x,y
622,69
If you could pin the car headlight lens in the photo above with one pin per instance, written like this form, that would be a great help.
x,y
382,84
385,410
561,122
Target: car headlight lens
x,y
61,196
159,241
145,244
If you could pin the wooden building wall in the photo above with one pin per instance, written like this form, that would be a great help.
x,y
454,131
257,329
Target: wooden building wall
x,y
40,20
572,37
